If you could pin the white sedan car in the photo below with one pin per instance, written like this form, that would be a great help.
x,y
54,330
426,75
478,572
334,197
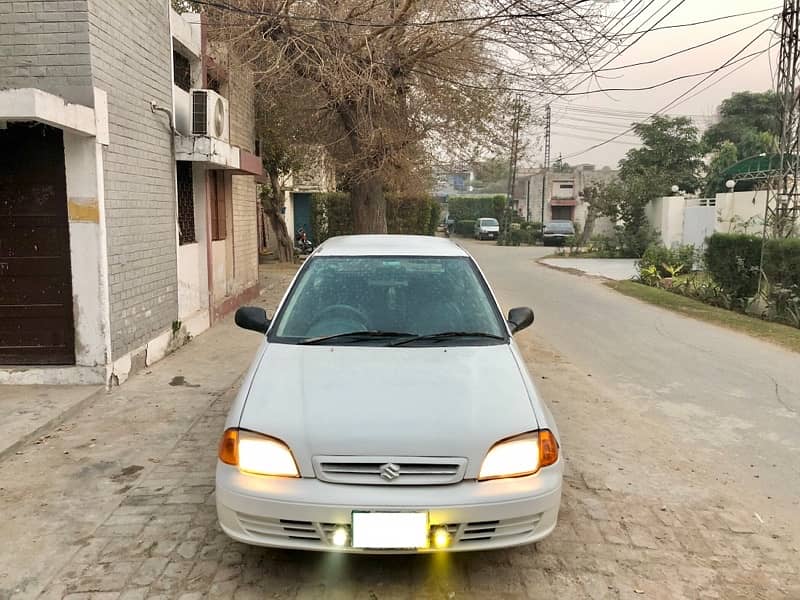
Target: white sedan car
x,y
388,410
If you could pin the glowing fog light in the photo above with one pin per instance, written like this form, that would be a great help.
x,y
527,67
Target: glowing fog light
x,y
339,537
441,537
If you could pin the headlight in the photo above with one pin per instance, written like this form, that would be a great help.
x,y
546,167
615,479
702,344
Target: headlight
x,y
521,455
256,453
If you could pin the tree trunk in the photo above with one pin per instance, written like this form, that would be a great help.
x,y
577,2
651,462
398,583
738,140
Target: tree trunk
x,y
588,227
272,201
369,205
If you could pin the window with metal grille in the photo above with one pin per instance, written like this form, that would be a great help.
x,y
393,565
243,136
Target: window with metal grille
x,y
216,189
185,202
182,71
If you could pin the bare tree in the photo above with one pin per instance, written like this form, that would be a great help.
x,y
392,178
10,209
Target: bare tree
x,y
383,84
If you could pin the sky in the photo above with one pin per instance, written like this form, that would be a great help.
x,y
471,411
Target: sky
x,y
581,121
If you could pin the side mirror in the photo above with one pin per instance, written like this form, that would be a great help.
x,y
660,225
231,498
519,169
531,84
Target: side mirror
x,y
520,318
253,318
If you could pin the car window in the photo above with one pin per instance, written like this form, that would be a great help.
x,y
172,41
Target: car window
x,y
489,222
414,295
560,227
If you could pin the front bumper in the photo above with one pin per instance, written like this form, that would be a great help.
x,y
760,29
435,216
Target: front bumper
x,y
303,513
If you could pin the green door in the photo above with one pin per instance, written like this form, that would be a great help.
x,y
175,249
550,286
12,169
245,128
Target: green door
x,y
302,213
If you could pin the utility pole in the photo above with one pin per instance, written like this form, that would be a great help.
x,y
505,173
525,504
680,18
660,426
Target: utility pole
x,y
546,155
512,167
783,202
528,201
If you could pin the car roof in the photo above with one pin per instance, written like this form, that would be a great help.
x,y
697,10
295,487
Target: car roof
x,y
389,245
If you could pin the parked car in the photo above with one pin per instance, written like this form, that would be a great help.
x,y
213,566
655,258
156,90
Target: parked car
x,y
388,410
486,229
555,233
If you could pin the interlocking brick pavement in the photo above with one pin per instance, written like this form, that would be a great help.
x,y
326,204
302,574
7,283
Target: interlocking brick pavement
x,y
156,536
163,542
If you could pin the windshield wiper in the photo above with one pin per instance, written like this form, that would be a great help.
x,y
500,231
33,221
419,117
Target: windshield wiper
x,y
356,336
443,335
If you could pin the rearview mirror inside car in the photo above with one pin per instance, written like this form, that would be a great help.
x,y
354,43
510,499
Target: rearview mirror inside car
x,y
253,318
519,318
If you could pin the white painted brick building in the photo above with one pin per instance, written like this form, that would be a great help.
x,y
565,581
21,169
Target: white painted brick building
x,y
123,227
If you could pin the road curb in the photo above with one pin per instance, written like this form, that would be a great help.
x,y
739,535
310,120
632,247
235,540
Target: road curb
x,y
54,422
571,270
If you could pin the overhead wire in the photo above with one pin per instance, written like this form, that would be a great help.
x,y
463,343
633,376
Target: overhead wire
x,y
680,97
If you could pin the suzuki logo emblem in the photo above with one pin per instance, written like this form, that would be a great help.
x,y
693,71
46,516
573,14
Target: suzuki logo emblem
x,y
390,471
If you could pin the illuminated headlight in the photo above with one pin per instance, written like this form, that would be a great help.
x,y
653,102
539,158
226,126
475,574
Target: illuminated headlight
x,y
256,453
521,455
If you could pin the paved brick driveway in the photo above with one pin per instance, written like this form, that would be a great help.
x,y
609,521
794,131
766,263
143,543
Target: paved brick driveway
x,y
163,542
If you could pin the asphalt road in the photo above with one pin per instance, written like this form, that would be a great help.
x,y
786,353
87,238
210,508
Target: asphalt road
x,y
702,413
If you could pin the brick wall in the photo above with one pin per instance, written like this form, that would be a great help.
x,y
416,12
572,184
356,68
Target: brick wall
x,y
132,62
242,106
245,227
45,45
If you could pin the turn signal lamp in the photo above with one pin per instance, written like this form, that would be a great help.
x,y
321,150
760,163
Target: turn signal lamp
x,y
229,447
548,448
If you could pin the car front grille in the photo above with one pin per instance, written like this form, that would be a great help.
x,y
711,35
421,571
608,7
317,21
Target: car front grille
x,y
319,535
382,470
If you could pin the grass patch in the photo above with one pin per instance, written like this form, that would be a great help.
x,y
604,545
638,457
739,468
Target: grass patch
x,y
777,333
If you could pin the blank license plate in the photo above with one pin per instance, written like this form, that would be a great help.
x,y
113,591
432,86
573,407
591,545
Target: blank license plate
x,y
390,531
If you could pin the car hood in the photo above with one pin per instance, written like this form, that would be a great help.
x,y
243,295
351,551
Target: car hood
x,y
393,402
489,227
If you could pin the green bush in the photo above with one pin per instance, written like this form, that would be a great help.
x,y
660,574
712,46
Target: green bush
x,y
332,215
782,262
604,246
412,215
667,262
465,227
732,260
471,208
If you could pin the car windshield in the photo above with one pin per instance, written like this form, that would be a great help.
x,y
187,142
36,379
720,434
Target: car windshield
x,y
564,227
388,299
489,222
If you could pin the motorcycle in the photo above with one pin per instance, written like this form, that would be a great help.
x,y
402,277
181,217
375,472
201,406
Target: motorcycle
x,y
301,242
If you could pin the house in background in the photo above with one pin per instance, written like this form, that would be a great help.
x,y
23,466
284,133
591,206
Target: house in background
x,y
563,195
316,176
127,199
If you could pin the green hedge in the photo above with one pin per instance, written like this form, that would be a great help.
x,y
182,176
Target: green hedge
x,y
413,215
332,215
732,260
466,227
782,262
471,208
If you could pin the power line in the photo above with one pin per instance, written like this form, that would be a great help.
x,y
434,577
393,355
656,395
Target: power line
x,y
633,43
587,92
671,54
677,99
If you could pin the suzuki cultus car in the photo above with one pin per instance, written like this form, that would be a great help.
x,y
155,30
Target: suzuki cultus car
x,y
388,410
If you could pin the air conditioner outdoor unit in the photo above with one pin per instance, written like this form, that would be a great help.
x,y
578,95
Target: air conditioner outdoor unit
x,y
210,114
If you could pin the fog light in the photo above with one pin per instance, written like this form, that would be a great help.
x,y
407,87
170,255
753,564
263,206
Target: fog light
x,y
441,537
339,537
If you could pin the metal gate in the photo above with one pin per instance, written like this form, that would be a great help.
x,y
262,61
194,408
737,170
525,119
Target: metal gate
x,y
302,213
699,220
36,322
